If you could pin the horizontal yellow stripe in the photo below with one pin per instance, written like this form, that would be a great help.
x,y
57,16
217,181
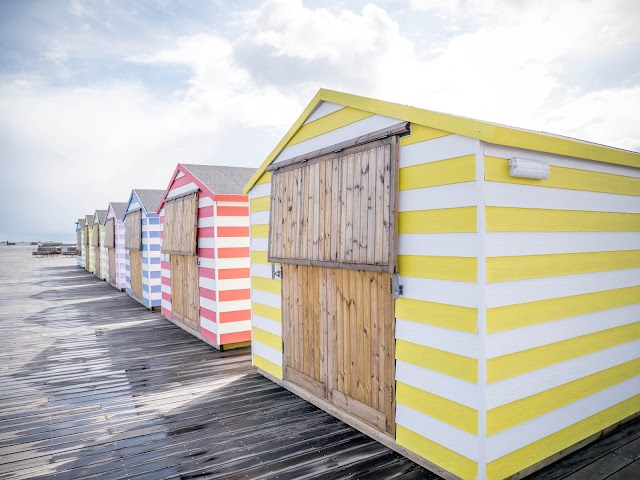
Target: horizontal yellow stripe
x,y
446,220
443,172
260,204
464,368
451,461
268,366
462,269
266,284
545,447
508,219
455,317
520,411
328,123
265,178
531,313
266,311
267,338
526,361
447,411
497,170
259,257
420,133
504,269
259,231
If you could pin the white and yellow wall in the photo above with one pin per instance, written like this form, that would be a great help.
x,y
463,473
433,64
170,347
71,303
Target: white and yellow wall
x,y
518,334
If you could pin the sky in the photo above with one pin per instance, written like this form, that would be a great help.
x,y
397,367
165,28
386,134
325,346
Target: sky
x,y
99,97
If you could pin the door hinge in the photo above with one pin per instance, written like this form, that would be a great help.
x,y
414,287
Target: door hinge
x,y
396,288
390,394
276,272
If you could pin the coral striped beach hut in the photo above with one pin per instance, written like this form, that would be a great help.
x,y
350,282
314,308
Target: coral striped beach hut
x,y
114,245
466,293
205,253
142,245
89,264
80,242
99,255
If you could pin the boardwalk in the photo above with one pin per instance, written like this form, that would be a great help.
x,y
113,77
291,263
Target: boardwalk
x,y
93,385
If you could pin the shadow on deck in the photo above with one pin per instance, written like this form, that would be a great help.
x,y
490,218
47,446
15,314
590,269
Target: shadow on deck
x,y
93,385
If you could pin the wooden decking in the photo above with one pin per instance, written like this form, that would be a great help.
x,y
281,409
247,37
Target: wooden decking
x,y
93,385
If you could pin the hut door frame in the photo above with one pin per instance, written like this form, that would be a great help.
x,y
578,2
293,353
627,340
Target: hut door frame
x,y
321,296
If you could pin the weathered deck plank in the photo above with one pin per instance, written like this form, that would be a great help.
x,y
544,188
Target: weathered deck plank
x,y
93,385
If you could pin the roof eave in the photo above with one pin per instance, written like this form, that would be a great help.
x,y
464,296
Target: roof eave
x,y
484,131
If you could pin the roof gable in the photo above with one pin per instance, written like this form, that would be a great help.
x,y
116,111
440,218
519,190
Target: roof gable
x,y
100,216
212,179
147,199
485,131
116,209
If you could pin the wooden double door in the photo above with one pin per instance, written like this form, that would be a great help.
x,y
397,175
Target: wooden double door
x,y
135,273
111,258
185,290
97,262
338,335
333,228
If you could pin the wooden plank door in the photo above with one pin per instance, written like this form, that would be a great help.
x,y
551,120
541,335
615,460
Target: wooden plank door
x,y
97,261
333,227
111,253
185,290
303,336
362,346
135,273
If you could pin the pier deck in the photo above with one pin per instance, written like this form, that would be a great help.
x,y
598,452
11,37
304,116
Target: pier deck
x,y
93,385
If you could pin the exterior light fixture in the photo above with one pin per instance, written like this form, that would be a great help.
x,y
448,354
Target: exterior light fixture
x,y
525,168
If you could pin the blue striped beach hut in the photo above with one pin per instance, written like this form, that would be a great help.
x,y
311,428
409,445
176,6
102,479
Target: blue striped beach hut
x,y
142,245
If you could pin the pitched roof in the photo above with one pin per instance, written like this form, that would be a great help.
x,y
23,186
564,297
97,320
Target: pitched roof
x,y
88,220
80,224
149,198
118,209
102,216
221,179
485,131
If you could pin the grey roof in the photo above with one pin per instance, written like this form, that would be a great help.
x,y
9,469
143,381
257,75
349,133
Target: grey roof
x,y
88,220
219,179
80,224
118,209
102,216
149,198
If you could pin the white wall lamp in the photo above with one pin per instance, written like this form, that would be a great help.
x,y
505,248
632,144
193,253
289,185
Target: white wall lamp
x,y
525,168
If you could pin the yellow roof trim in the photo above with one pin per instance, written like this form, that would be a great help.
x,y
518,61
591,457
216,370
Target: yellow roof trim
x,y
485,131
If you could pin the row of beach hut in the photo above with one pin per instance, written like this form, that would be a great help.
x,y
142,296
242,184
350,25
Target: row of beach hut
x,y
183,250
466,293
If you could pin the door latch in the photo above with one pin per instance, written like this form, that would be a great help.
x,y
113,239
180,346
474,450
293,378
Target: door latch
x,y
276,272
396,288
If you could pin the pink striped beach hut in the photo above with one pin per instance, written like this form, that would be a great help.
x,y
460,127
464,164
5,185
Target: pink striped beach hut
x,y
205,249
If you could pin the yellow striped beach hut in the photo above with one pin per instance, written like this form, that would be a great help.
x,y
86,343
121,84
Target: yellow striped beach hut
x,y
464,292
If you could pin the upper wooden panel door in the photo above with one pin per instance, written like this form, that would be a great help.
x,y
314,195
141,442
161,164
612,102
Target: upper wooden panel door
x,y
337,210
333,229
185,290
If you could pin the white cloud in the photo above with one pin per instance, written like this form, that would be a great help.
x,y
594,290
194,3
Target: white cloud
x,y
76,148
